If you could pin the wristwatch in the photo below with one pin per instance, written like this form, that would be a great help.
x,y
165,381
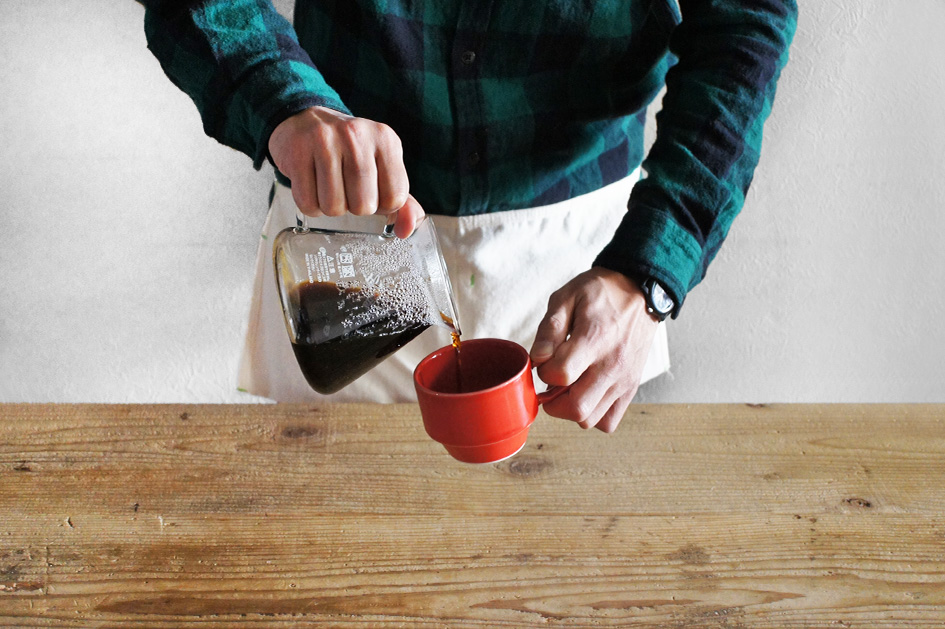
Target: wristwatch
x,y
658,302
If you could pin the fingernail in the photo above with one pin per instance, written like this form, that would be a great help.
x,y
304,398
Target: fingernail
x,y
542,349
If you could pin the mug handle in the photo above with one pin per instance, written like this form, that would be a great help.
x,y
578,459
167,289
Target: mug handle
x,y
551,394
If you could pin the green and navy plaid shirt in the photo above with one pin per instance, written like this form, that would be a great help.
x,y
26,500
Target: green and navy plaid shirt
x,y
511,104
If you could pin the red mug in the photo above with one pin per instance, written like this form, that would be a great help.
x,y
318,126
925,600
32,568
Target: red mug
x,y
480,410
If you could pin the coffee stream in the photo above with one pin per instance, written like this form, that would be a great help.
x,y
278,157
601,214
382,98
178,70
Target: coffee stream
x,y
457,344
477,374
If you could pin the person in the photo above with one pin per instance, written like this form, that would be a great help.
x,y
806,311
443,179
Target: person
x,y
493,116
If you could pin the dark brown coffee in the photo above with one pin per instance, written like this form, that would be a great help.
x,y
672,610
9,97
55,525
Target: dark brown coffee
x,y
344,352
457,343
483,366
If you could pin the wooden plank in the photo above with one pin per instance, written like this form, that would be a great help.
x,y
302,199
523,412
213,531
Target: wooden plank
x,y
702,516
500,570
677,459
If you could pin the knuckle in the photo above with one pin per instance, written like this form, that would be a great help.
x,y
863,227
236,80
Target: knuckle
x,y
555,298
553,374
334,208
355,132
596,286
323,136
582,410
305,203
309,209
388,138
361,209
293,159
557,322
393,199
596,331
608,426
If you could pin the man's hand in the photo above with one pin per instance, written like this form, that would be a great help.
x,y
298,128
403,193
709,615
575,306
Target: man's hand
x,y
340,164
596,336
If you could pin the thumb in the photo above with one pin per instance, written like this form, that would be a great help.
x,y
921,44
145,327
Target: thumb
x,y
552,331
408,217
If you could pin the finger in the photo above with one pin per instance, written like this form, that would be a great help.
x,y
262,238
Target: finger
x,y
305,193
552,331
608,423
587,401
329,183
408,217
360,181
596,399
393,186
562,407
570,361
585,345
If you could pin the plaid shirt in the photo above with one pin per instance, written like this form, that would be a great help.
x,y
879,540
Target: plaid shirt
x,y
507,105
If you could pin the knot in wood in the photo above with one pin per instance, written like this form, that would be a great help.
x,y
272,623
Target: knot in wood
x,y
527,466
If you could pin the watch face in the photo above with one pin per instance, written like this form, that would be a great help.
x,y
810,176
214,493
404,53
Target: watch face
x,y
661,301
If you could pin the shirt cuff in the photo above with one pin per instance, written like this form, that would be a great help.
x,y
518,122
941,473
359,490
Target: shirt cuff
x,y
294,87
649,243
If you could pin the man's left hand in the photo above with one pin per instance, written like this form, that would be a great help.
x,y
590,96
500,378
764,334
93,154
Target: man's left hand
x,y
596,337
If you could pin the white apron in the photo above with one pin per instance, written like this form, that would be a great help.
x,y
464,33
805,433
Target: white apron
x,y
503,267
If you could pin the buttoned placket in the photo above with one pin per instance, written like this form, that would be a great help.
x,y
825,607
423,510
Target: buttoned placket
x,y
472,139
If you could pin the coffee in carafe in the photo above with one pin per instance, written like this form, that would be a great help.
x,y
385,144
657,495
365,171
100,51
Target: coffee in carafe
x,y
330,364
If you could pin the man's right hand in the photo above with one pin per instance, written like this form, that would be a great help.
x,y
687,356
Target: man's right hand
x,y
338,164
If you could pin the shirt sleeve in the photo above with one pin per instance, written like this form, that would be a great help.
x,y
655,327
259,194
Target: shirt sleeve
x,y
718,95
241,64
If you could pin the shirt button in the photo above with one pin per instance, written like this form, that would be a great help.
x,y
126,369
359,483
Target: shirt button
x,y
472,159
468,57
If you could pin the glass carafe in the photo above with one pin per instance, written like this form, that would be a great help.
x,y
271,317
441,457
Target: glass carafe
x,y
351,299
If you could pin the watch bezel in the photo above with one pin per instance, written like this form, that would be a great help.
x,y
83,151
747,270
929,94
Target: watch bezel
x,y
649,287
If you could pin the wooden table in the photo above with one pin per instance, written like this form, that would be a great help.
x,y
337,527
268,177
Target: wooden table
x,y
349,515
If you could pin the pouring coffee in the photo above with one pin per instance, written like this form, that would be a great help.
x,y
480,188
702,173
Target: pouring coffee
x,y
351,299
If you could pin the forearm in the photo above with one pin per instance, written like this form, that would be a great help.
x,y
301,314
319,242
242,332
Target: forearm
x,y
709,131
241,64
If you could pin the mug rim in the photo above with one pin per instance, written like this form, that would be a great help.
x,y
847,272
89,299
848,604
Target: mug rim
x,y
492,341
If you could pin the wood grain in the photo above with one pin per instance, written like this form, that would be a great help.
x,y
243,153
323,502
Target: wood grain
x,y
349,515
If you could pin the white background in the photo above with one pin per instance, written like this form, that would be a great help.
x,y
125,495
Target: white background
x,y
129,237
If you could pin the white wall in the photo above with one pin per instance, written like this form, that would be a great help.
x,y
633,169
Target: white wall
x,y
129,236
829,287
